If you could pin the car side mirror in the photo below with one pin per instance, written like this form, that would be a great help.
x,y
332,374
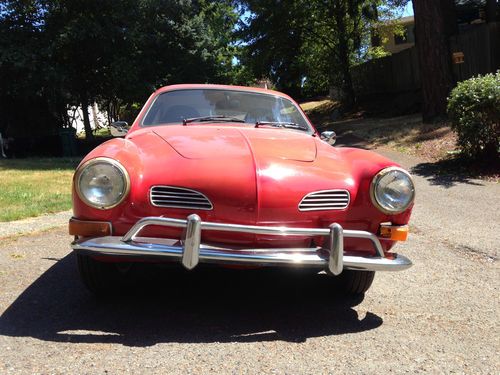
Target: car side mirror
x,y
329,136
119,128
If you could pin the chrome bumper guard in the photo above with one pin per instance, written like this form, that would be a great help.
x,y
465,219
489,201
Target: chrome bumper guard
x,y
190,251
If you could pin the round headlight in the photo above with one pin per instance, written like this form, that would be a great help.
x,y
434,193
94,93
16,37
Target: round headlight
x,y
102,183
392,190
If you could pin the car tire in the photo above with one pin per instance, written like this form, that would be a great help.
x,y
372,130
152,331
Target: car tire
x,y
103,278
354,283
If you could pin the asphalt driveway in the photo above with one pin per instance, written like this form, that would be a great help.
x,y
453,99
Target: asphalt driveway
x,y
441,316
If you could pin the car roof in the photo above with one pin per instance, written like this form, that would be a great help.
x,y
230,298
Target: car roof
x,y
220,87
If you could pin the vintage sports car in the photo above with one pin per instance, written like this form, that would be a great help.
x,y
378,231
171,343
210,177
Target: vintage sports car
x,y
235,177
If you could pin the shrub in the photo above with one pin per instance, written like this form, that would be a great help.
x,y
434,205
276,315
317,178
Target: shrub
x,y
474,111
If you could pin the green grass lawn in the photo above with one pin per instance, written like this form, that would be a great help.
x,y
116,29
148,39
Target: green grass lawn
x,y
32,187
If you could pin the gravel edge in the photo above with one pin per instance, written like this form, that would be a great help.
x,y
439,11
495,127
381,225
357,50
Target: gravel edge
x,y
34,224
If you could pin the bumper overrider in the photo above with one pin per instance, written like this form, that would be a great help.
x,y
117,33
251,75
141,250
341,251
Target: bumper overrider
x,y
190,251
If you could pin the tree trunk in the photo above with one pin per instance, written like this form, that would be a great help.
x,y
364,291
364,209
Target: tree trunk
x,y
108,112
86,120
432,42
94,117
349,97
375,39
449,17
491,11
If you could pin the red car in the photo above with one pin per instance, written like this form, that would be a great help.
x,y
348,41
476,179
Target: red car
x,y
236,176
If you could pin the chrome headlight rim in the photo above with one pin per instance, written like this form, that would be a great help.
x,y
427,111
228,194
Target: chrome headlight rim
x,y
374,183
97,160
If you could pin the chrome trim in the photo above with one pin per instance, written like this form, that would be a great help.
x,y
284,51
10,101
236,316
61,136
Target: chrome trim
x,y
325,200
191,251
185,198
190,255
141,125
296,257
374,182
132,234
336,245
329,137
88,163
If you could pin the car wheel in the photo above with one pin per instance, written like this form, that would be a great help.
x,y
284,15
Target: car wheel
x,y
354,282
102,277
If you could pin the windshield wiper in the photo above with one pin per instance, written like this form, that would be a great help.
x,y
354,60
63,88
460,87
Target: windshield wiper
x,y
280,124
212,118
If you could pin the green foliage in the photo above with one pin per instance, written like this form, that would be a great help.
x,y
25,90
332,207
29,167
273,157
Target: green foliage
x,y
377,52
60,53
474,111
273,38
382,31
24,79
56,54
306,46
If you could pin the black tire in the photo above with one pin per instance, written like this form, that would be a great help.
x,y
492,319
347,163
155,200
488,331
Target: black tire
x,y
354,283
102,278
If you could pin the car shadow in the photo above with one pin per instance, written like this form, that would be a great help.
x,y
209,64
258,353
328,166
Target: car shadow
x,y
453,171
171,305
351,140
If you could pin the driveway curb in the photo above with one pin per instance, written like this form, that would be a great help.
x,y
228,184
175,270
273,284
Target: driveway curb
x,y
34,224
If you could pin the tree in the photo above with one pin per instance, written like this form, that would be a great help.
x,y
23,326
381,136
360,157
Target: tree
x,y
272,35
492,11
434,24
55,54
105,50
339,29
26,99
301,41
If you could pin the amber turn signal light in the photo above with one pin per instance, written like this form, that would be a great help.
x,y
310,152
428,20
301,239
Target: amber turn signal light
x,y
394,232
83,228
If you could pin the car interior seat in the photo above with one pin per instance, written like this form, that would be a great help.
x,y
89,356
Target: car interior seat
x,y
177,113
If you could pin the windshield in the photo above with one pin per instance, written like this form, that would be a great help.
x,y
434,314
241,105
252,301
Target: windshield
x,y
175,107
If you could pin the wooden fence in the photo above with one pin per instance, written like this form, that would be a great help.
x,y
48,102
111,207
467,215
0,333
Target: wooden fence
x,y
400,71
481,48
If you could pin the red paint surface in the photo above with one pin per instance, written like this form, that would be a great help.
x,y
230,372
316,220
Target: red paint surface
x,y
254,176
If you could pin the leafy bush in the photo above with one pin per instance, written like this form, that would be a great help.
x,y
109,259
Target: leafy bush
x,y
474,110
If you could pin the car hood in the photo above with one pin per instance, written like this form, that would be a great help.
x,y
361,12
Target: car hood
x,y
208,142
251,176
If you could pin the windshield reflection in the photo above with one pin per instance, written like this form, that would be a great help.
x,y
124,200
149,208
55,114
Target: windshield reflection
x,y
175,107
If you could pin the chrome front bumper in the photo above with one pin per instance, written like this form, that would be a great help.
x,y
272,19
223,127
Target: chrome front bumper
x,y
190,251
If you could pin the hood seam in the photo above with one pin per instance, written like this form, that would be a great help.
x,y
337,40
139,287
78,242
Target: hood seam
x,y
256,169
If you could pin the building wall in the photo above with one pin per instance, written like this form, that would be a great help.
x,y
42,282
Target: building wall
x,y
396,43
97,118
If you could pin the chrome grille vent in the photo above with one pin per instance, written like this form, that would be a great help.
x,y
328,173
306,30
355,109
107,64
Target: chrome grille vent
x,y
325,200
176,197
